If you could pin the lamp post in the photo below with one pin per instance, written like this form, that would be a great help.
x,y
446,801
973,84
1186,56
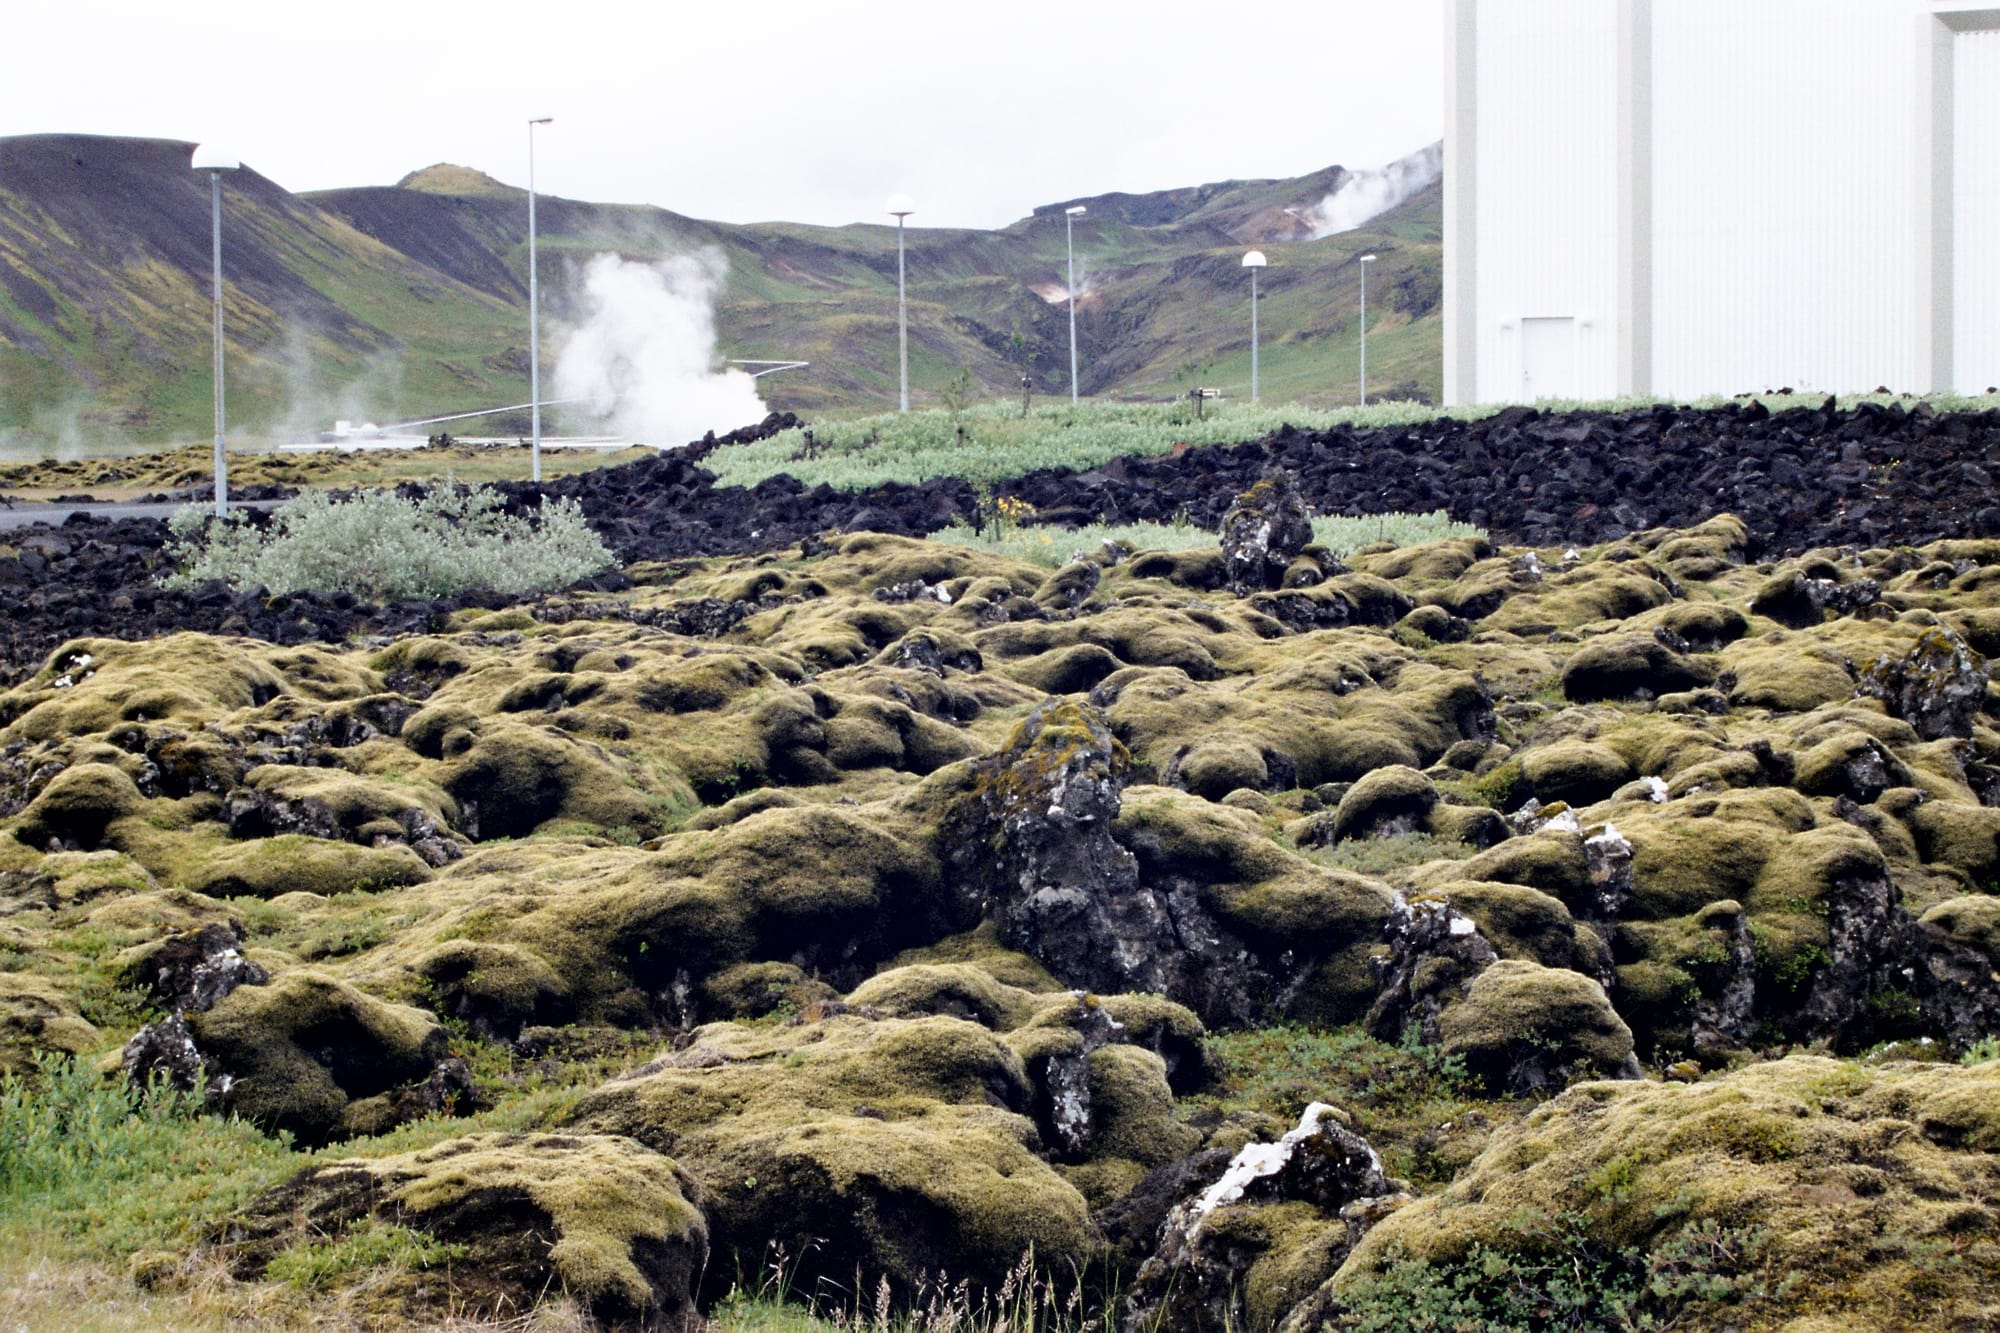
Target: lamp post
x,y
1253,261
1365,261
1070,215
534,316
900,207
214,161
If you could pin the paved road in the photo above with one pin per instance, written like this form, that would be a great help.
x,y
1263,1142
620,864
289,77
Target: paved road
x,y
24,514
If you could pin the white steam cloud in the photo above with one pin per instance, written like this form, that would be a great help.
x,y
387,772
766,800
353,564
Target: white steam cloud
x,y
643,359
1368,194
1055,293
312,405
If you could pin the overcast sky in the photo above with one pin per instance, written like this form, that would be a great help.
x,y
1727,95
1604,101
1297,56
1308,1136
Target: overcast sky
x,y
754,110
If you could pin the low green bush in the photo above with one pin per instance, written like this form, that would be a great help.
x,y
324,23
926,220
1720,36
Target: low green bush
x,y
82,1156
1550,1273
385,547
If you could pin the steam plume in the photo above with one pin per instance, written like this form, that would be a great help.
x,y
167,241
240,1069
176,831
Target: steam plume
x,y
643,360
1367,194
1055,293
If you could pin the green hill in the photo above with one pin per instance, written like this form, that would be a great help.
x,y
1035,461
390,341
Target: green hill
x,y
408,300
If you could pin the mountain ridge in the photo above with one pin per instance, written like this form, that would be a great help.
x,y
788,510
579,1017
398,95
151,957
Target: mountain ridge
x,y
384,301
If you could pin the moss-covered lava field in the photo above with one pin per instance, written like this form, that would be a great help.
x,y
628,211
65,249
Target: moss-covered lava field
x,y
1569,935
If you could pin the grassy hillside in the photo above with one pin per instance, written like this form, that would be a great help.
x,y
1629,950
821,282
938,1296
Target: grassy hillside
x,y
407,300
105,306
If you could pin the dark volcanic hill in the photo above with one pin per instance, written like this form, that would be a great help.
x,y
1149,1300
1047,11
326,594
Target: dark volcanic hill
x,y
406,300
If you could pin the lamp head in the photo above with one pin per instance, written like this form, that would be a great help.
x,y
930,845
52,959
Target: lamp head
x,y
209,158
1366,259
541,120
1255,259
1074,210
901,205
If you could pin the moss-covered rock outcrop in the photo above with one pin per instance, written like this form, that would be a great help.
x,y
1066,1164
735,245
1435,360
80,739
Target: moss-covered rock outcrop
x,y
1805,1193
902,1147
517,1218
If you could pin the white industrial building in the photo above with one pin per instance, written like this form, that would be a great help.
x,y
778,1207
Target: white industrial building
x,y
1699,197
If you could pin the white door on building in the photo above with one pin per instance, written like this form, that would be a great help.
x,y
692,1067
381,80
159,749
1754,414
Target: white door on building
x,y
1976,220
1548,358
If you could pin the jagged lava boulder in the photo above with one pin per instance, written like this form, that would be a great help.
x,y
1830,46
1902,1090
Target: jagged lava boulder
x,y
1263,531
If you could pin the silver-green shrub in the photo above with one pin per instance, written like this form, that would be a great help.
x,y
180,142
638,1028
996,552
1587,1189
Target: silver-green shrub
x,y
386,547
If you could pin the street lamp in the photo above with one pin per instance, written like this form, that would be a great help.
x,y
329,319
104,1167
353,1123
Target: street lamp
x,y
534,315
1070,215
900,207
1365,261
1253,261
214,161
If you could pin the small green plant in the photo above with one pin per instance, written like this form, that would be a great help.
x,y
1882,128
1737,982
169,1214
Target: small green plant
x,y
956,395
386,547
1398,851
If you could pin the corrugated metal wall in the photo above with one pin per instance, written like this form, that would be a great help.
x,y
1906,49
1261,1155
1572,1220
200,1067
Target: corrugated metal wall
x,y
1548,187
1783,175
1976,174
1789,185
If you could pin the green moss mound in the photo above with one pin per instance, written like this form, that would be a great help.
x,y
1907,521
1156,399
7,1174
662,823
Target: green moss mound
x,y
1823,1195
314,1056
293,863
903,1145
77,806
510,1218
39,1018
1628,667
1522,1026
513,780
